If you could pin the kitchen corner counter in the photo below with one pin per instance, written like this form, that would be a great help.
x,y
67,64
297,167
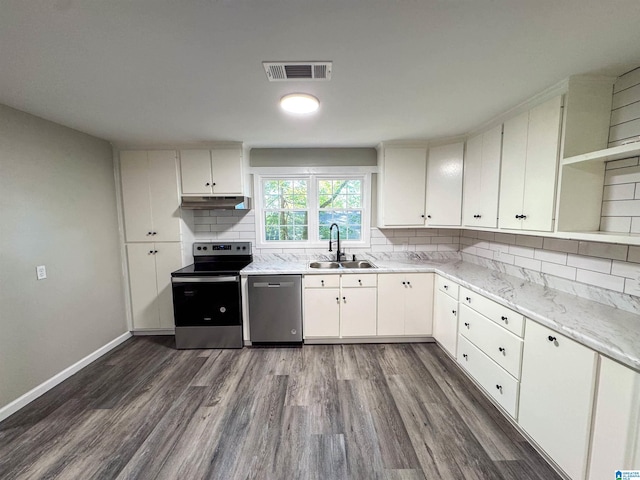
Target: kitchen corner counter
x,y
607,330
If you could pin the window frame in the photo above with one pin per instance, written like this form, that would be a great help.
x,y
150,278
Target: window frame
x,y
312,175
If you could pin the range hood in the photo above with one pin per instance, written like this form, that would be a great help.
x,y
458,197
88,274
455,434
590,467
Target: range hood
x,y
216,203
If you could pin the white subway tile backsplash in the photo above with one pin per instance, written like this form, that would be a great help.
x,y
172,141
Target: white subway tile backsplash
x,y
560,245
551,256
398,240
559,270
420,240
447,247
601,280
526,252
625,162
504,257
635,225
498,247
378,241
589,263
634,254
442,240
485,253
529,241
615,224
488,236
625,191
382,248
625,269
507,238
528,263
622,175
244,227
621,208
202,228
228,236
604,250
632,286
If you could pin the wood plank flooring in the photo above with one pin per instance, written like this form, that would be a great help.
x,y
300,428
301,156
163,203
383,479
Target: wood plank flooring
x,y
149,411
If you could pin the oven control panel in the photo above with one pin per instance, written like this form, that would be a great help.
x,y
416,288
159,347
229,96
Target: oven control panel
x,y
201,249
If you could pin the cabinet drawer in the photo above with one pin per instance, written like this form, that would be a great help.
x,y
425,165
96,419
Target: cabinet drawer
x,y
501,346
502,387
512,321
321,281
447,286
355,280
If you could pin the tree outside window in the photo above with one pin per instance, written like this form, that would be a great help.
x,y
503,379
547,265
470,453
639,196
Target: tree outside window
x,y
286,216
340,202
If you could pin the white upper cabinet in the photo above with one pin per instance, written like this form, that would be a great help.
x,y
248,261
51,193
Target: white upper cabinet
x,y
212,172
401,188
529,168
150,196
482,179
444,185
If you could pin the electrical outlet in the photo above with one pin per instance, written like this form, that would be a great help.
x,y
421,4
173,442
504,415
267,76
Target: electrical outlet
x,y
41,272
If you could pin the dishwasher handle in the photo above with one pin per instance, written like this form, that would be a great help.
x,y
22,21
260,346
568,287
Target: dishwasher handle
x,y
273,284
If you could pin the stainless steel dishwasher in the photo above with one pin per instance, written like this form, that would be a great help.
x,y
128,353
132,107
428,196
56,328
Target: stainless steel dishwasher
x,y
275,309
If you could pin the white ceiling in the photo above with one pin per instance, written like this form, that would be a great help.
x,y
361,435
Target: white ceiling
x,y
145,72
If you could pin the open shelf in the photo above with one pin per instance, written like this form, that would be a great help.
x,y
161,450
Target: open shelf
x,y
606,155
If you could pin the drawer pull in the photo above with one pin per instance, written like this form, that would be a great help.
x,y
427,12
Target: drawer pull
x,y
404,283
503,318
465,356
502,350
552,339
453,311
499,387
360,282
322,282
408,283
344,298
468,299
338,299
466,324
446,287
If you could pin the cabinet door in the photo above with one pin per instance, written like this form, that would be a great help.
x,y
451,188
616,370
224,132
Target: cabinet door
x,y
615,442
444,185
391,292
490,177
358,312
445,321
136,200
195,167
142,282
543,145
321,312
514,156
472,182
418,306
226,167
165,203
556,396
168,259
404,186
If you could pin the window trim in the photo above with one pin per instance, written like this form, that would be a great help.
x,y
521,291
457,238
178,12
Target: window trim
x,y
313,175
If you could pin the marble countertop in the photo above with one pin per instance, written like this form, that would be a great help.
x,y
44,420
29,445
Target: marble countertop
x,y
607,330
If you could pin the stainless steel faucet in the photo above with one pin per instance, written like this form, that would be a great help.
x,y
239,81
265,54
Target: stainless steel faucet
x,y
338,254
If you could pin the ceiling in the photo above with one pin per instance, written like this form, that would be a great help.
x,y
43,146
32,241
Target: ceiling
x,y
164,72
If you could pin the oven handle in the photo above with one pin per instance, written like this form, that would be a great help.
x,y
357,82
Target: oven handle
x,y
204,279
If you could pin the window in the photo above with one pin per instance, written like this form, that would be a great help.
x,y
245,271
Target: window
x,y
286,216
340,201
297,211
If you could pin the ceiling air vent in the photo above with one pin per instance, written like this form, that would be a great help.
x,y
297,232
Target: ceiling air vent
x,y
285,71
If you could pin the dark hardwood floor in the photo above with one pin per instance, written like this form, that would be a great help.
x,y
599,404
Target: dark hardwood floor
x,y
148,411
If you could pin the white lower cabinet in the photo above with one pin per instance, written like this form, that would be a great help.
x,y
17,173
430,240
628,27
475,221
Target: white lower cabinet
x,y
150,266
445,314
339,306
615,441
501,386
556,396
405,304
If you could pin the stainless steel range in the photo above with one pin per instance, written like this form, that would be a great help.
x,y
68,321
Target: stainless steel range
x,y
207,301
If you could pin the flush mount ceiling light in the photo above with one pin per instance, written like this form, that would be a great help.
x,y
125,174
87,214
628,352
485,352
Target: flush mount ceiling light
x,y
299,103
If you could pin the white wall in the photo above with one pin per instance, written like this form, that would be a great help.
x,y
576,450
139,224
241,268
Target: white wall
x,y
58,209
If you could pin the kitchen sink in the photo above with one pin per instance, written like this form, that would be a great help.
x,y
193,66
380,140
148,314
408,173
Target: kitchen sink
x,y
324,265
353,264
357,264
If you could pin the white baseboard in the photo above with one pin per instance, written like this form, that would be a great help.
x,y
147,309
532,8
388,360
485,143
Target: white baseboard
x,y
44,387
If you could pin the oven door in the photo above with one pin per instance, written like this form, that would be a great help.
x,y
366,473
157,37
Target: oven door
x,y
207,301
